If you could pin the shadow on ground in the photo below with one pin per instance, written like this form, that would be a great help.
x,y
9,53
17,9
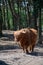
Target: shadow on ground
x,y
10,37
7,37
9,47
35,53
2,63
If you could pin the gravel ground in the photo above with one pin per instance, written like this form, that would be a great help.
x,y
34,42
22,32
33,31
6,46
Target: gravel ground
x,y
17,57
12,54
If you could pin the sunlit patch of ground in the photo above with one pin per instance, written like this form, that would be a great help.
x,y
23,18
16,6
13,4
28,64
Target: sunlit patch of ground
x,y
12,54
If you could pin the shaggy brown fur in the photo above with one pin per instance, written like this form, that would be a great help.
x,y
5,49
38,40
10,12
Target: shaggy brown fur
x,y
27,38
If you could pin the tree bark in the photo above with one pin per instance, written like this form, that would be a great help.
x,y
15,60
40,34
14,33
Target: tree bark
x,y
15,16
0,22
40,29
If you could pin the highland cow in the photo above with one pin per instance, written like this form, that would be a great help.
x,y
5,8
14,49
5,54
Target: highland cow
x,y
27,38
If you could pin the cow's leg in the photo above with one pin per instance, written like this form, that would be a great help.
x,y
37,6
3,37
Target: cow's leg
x,y
23,49
26,49
30,47
33,47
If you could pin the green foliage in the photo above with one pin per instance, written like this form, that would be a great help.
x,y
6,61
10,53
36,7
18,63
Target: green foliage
x,y
10,19
22,15
22,11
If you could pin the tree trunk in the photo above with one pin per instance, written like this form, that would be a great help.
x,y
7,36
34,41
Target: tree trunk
x,y
15,16
35,14
40,29
1,22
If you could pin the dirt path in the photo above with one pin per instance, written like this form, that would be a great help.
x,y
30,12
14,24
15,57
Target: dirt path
x,y
17,57
11,54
